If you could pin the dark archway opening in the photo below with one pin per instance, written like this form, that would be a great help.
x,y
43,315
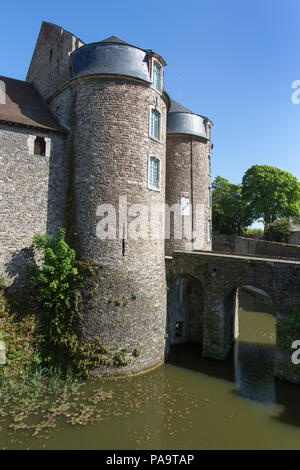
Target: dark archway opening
x,y
185,311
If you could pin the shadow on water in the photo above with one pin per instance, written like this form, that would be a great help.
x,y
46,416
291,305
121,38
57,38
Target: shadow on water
x,y
288,395
254,371
189,356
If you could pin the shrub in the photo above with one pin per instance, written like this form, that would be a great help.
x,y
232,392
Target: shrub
x,y
278,231
254,232
57,284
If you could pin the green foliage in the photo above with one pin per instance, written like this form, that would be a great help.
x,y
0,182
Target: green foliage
x,y
229,211
288,330
257,232
22,342
2,283
57,283
49,339
271,193
278,231
82,356
121,359
137,351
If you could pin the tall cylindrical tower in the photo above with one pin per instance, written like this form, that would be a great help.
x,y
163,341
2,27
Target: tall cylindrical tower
x,y
119,128
188,180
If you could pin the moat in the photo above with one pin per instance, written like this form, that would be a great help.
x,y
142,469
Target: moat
x,y
192,402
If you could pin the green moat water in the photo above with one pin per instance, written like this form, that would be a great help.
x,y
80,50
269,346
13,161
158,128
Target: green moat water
x,y
193,403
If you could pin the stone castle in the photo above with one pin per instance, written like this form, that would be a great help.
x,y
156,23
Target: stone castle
x,y
93,125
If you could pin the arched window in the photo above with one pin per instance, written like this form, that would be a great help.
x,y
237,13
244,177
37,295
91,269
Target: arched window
x,y
40,146
155,124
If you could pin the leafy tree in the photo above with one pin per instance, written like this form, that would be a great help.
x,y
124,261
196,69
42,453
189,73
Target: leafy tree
x,y
271,193
229,210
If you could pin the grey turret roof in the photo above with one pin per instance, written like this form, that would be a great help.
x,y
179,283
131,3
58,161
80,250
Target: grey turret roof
x,y
182,120
115,39
178,108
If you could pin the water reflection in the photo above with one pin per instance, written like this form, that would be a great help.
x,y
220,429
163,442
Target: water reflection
x,y
250,366
254,351
254,371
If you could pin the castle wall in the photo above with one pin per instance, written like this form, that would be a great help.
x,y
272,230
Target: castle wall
x,y
50,68
32,195
250,246
62,106
126,304
187,175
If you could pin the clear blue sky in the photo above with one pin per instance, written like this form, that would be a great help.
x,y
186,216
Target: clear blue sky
x,y
237,60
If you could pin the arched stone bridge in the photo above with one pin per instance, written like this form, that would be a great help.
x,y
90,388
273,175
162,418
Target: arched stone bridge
x,y
203,299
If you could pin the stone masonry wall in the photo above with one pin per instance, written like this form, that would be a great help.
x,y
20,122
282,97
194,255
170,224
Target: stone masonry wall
x,y
111,154
32,195
187,175
50,67
249,246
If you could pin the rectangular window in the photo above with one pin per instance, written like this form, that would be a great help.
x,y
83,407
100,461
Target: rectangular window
x,y
156,76
209,131
209,196
209,229
154,173
155,124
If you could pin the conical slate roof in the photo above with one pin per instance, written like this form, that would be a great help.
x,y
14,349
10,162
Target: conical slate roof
x,y
115,40
178,108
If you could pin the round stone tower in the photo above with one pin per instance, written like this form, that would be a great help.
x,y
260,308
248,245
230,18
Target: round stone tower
x,y
188,180
119,149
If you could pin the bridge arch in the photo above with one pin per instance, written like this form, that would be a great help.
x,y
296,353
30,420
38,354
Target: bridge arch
x,y
231,309
220,275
